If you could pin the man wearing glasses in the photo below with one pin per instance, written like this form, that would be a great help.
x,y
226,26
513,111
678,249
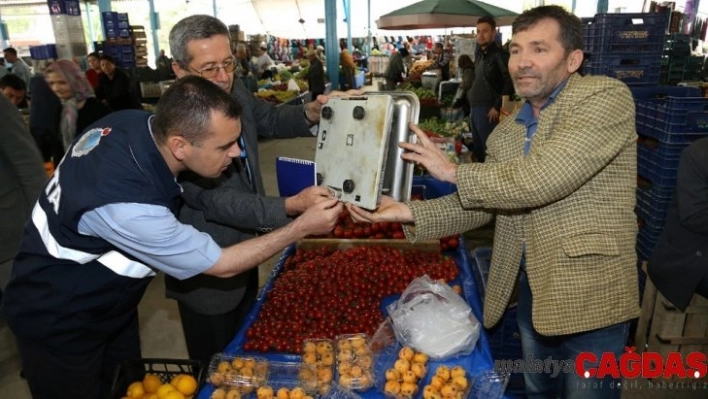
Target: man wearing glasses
x,y
233,207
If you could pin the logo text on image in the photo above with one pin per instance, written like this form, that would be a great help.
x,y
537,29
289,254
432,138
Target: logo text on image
x,y
532,365
632,365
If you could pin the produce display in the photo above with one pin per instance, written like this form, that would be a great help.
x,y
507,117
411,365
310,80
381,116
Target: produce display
x,y
418,68
326,292
426,97
182,386
277,96
441,128
346,228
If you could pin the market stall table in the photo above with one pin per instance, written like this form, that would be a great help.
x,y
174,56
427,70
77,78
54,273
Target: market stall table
x,y
479,361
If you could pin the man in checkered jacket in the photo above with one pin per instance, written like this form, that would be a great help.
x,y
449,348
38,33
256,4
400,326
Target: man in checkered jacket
x,y
560,179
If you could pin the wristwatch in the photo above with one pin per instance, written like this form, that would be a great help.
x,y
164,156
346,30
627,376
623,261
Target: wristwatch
x,y
307,118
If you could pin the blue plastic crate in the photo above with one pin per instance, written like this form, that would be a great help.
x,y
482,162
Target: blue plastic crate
x,y
658,174
505,337
632,69
434,188
52,51
110,19
684,117
637,33
656,152
649,236
655,191
644,250
480,270
672,114
651,214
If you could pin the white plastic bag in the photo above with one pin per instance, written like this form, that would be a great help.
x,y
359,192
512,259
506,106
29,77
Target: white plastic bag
x,y
292,85
434,319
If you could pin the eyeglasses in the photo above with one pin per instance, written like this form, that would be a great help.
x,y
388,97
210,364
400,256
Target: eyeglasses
x,y
212,71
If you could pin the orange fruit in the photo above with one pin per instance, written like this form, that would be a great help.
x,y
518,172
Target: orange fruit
x,y
164,389
175,380
186,384
136,390
174,395
151,382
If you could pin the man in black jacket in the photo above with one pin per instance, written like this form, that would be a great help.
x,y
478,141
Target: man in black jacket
x,y
677,266
492,81
232,208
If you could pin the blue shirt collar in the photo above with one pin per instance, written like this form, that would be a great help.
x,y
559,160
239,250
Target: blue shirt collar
x,y
525,115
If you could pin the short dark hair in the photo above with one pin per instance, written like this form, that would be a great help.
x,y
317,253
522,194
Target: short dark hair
x,y
10,50
185,109
94,55
571,28
464,61
195,27
106,57
439,45
487,20
13,81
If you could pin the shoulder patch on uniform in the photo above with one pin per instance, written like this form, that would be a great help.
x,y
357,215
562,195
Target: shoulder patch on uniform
x,y
89,141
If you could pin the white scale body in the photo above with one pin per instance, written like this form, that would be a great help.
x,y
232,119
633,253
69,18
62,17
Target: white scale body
x,y
357,153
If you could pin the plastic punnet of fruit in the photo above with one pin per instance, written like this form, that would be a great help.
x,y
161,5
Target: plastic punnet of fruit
x,y
320,354
355,362
244,372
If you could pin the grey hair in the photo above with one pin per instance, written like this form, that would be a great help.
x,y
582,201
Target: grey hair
x,y
241,47
195,27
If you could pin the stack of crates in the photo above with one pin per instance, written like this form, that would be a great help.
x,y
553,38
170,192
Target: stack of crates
x,y
626,46
505,337
677,63
43,52
68,28
119,43
668,119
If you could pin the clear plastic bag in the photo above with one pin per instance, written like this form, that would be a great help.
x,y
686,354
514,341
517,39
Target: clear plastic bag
x,y
432,318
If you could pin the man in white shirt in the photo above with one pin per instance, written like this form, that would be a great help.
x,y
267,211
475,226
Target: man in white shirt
x,y
264,62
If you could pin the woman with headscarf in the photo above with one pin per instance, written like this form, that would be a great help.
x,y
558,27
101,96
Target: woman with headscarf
x,y
80,108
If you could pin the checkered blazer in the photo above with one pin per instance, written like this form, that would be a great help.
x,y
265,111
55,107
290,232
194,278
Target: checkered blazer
x,y
571,200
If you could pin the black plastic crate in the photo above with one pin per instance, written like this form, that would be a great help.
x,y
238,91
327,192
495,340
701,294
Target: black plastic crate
x,y
133,370
678,45
632,69
637,33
